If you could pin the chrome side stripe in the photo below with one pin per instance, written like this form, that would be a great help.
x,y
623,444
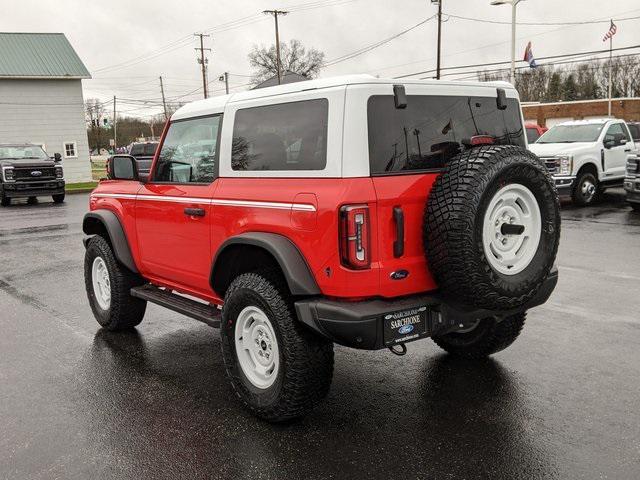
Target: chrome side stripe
x,y
305,207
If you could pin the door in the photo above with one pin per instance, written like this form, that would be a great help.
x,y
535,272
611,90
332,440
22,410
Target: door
x,y
173,210
617,146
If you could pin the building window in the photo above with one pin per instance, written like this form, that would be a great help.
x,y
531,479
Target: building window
x,y
70,150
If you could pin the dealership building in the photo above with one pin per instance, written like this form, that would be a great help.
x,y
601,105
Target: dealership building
x,y
41,98
550,114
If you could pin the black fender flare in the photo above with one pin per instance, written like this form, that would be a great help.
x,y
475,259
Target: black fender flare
x,y
117,236
292,263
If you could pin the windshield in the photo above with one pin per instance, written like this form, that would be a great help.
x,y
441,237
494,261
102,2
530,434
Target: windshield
x,y
22,152
572,133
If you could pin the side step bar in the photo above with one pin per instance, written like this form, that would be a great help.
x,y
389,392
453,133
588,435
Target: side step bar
x,y
203,312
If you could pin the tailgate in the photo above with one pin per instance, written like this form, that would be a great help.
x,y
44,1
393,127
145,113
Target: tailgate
x,y
401,201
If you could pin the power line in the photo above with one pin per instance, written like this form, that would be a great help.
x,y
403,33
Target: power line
x,y
539,24
377,44
592,52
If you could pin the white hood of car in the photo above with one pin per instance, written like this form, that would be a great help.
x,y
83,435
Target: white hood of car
x,y
550,149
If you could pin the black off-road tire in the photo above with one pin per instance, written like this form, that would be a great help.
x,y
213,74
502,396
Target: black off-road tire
x,y
578,197
454,221
58,198
5,201
32,200
125,311
487,338
306,360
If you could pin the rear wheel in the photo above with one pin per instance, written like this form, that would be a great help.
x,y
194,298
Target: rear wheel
x,y
585,191
278,369
487,337
58,198
108,285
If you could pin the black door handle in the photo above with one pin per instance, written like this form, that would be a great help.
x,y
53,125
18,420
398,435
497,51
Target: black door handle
x,y
194,212
398,245
628,150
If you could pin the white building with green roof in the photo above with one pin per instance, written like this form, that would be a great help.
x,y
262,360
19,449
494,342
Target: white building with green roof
x,y
41,98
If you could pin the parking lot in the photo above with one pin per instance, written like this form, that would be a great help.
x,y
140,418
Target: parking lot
x,y
77,402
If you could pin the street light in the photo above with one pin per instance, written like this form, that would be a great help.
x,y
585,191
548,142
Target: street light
x,y
513,4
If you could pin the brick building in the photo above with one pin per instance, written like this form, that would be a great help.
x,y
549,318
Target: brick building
x,y
550,114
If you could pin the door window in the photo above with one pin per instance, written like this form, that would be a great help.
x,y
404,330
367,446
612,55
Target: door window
x,y
189,152
616,133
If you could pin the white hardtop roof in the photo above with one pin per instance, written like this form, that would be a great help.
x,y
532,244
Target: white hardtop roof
x,y
591,121
216,104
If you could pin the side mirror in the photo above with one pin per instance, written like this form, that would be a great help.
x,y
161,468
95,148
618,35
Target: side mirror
x,y
57,157
609,143
123,167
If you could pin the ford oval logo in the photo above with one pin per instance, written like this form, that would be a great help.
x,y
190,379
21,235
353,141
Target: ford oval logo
x,y
399,274
36,173
405,329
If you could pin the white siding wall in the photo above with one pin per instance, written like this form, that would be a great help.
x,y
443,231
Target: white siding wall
x,y
49,112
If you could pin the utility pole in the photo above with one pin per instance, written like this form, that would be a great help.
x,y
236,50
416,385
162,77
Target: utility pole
x,y
203,62
610,69
225,78
275,14
439,2
164,103
115,126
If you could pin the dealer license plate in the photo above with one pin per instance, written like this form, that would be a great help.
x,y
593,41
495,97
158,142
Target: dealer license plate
x,y
405,325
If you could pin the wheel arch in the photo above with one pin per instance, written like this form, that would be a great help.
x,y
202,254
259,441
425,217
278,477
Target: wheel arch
x,y
241,253
107,224
590,166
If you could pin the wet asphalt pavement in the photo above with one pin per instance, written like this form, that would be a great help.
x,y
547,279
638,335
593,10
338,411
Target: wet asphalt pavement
x,y
77,402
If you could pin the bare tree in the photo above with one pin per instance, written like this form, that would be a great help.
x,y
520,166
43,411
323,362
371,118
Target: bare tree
x,y
294,57
94,113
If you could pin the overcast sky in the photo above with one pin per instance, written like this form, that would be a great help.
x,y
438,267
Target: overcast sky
x,y
127,44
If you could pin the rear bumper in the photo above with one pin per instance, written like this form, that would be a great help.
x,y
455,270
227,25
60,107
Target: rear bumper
x,y
32,189
362,324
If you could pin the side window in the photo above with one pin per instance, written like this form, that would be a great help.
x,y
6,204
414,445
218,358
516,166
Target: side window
x,y
189,152
286,136
616,133
532,135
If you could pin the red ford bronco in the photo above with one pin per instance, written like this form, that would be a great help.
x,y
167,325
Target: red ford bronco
x,y
349,210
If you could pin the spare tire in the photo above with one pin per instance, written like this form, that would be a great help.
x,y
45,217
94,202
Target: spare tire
x,y
492,227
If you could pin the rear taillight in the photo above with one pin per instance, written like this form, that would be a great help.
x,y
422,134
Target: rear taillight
x,y
355,242
482,140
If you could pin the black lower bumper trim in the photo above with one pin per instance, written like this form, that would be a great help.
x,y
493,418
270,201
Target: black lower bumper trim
x,y
362,324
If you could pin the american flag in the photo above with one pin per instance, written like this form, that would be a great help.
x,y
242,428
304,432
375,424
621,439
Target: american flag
x,y
612,31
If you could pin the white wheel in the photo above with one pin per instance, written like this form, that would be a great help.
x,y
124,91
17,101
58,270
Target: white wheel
x,y
257,347
512,229
101,283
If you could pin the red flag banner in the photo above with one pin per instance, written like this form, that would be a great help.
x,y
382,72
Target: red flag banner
x,y
612,31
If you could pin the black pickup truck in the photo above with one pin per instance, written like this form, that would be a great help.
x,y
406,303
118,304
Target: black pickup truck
x,y
143,152
26,171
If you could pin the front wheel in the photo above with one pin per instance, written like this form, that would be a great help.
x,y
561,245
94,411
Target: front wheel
x,y
58,198
635,206
108,286
586,189
277,368
5,201
486,337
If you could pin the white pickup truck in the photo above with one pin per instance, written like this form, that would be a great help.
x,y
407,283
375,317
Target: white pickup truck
x,y
586,156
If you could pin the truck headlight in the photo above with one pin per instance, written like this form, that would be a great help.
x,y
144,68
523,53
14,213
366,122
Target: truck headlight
x,y
7,172
59,173
565,164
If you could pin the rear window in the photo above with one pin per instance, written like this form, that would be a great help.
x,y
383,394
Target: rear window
x,y
532,134
143,149
286,136
433,129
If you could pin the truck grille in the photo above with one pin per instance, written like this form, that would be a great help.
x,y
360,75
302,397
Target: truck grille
x,y
551,164
633,167
27,173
